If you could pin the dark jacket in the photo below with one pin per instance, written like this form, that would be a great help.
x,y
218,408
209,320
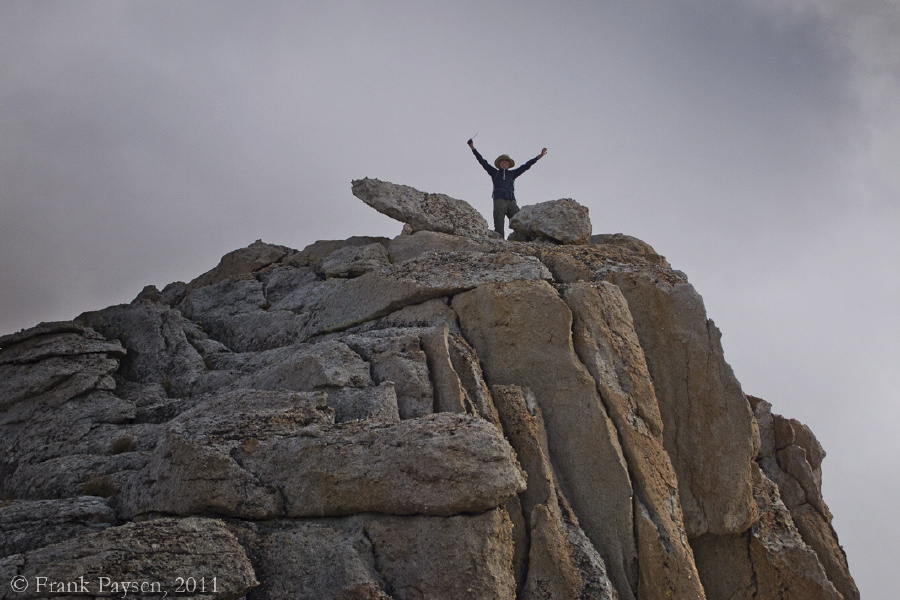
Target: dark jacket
x,y
504,179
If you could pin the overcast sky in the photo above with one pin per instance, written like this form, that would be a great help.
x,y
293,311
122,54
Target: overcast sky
x,y
754,143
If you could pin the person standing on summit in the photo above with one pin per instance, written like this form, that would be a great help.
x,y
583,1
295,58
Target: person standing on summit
x,y
504,176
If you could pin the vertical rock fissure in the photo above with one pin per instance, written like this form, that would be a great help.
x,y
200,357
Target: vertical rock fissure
x,y
606,344
378,564
634,569
754,583
522,333
686,473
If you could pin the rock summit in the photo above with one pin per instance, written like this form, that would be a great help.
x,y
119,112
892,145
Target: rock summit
x,y
438,415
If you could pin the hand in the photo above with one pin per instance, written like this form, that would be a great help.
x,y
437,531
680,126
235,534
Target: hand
x,y
471,143
543,152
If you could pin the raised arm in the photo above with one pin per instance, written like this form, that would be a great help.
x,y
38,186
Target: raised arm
x,y
518,171
485,164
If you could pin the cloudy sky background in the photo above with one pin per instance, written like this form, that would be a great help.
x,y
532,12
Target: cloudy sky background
x,y
754,143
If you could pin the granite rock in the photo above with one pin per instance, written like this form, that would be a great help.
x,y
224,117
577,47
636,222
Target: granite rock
x,y
419,210
439,415
562,221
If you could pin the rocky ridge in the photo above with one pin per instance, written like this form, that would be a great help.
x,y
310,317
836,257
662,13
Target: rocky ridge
x,y
439,415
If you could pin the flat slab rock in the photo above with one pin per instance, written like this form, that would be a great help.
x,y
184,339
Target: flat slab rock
x,y
287,462
420,210
56,362
27,525
342,303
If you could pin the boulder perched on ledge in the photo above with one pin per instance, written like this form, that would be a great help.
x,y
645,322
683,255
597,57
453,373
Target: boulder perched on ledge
x,y
420,210
562,221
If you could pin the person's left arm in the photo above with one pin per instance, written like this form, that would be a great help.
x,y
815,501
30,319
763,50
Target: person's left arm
x,y
518,171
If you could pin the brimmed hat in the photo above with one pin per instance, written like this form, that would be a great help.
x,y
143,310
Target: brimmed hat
x,y
512,163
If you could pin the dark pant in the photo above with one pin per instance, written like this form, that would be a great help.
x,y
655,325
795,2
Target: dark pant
x,y
503,208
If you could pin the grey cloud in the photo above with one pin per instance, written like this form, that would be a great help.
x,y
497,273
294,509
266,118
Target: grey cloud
x,y
754,143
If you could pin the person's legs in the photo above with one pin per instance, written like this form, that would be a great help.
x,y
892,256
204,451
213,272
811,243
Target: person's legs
x,y
499,215
510,210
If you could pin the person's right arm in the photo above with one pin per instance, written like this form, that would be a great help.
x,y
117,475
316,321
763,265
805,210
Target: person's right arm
x,y
485,164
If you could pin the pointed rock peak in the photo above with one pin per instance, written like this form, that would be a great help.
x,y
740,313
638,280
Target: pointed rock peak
x,y
242,262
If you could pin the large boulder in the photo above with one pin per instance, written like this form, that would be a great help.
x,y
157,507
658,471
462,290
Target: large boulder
x,y
268,454
563,221
315,254
158,341
338,304
236,313
421,211
405,247
242,263
352,261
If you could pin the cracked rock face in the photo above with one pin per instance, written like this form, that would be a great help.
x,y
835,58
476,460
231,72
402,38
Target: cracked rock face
x,y
439,415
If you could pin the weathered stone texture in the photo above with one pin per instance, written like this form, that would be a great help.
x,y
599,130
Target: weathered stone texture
x,y
310,560
462,556
791,456
552,567
55,362
236,313
771,560
440,415
155,552
405,247
419,210
606,342
632,245
157,342
563,221
343,303
353,261
28,525
242,264
287,459
708,429
522,332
